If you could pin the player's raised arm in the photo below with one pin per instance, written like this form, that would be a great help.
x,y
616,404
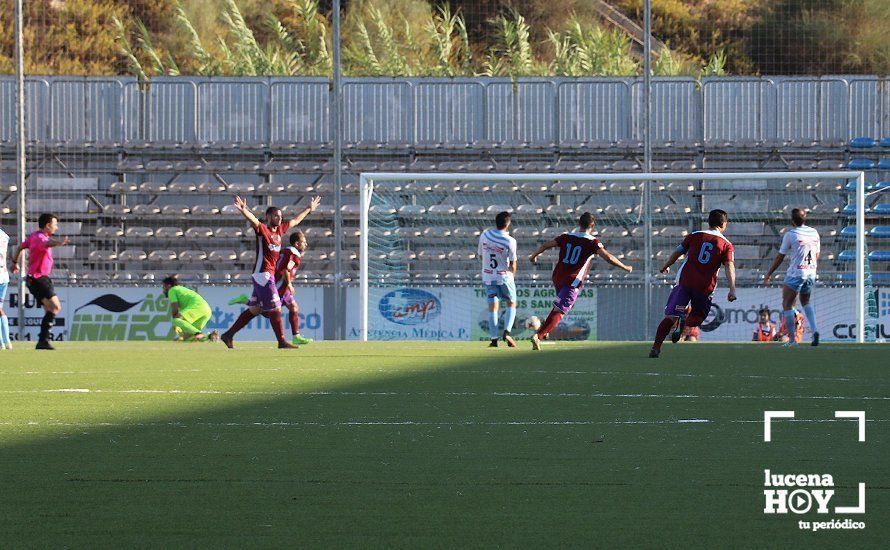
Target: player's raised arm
x,y
241,205
313,204
541,249
611,259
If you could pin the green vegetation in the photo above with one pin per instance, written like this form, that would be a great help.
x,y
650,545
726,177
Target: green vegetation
x,y
513,38
431,444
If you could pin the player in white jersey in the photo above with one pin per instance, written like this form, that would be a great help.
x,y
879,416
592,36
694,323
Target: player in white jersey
x,y
498,252
5,343
801,245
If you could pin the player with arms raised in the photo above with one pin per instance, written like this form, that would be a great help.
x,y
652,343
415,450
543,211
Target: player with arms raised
x,y
576,252
265,297
706,251
801,243
289,262
498,252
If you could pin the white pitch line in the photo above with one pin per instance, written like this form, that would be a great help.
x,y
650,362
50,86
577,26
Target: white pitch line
x,y
368,423
596,395
525,372
362,423
666,374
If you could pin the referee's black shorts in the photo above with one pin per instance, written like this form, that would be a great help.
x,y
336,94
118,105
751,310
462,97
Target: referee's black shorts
x,y
41,288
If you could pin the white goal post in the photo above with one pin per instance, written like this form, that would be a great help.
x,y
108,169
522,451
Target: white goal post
x,y
368,180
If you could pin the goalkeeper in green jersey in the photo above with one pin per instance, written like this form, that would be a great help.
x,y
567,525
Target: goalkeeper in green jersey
x,y
189,310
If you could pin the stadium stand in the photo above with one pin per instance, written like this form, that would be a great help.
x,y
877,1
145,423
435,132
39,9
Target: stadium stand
x,y
157,197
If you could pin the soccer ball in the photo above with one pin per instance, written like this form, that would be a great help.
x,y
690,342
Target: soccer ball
x,y
533,323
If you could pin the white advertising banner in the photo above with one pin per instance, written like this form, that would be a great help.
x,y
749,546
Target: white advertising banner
x,y
134,314
579,324
131,314
460,313
735,321
33,315
413,313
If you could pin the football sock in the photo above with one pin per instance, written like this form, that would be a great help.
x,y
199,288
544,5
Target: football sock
x,y
509,318
664,328
241,321
4,329
46,324
294,321
693,320
185,327
277,324
493,324
550,322
810,312
790,325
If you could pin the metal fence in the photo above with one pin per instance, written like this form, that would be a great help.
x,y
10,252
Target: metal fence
x,y
270,111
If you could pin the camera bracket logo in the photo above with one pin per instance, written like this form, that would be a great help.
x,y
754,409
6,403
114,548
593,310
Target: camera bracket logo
x,y
801,493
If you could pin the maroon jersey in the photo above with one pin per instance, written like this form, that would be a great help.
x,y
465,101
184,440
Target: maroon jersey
x,y
576,252
705,252
288,263
268,246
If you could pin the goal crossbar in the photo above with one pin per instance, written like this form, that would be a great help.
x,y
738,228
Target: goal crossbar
x,y
367,179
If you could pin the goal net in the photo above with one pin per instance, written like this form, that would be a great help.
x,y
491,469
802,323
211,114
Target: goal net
x,y
421,277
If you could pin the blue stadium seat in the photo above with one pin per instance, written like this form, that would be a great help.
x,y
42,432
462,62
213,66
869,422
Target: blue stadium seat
x,y
885,142
851,187
849,210
851,277
880,232
848,232
879,255
880,186
861,164
861,142
882,209
847,256
884,164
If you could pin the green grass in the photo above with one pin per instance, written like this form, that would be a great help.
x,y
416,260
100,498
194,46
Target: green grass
x,y
429,445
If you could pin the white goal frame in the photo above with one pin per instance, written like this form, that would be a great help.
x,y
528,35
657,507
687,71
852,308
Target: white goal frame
x,y
367,179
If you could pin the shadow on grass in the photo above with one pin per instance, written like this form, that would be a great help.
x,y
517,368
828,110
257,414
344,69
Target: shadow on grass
x,y
504,448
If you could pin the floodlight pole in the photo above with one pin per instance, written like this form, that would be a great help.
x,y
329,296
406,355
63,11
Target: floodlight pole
x,y
20,151
647,165
336,128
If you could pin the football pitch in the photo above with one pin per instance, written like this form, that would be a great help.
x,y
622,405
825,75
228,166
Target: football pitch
x,y
434,444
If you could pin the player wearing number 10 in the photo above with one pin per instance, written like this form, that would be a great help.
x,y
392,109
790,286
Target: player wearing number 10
x,y
576,252
705,252
498,252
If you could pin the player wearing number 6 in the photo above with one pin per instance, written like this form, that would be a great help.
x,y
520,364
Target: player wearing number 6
x,y
498,252
576,252
802,244
705,252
